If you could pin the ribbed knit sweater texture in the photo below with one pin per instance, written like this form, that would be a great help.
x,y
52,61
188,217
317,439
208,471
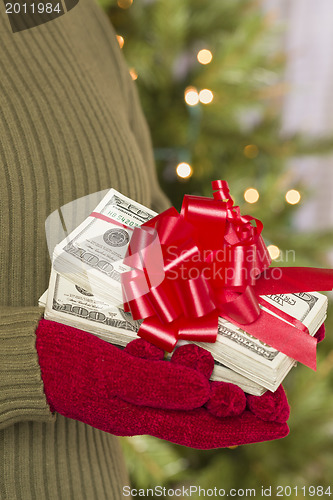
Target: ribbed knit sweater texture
x,y
70,125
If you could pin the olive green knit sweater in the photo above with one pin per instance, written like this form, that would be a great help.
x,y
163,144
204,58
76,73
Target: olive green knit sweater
x,y
70,124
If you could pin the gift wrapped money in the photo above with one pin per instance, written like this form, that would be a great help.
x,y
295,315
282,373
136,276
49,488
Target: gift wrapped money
x,y
87,288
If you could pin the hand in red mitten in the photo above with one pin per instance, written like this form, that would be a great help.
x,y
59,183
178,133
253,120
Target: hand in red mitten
x,y
126,401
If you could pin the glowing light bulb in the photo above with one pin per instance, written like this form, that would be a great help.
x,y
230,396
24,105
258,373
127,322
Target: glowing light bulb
x,y
124,4
251,151
133,74
184,170
293,196
274,251
121,41
191,96
251,195
204,56
206,96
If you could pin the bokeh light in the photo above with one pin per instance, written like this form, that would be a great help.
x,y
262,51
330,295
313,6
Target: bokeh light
x,y
133,74
251,195
184,170
204,56
191,96
293,196
124,4
274,251
206,96
251,151
121,41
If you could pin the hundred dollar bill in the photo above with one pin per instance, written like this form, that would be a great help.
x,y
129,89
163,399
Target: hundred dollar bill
x,y
92,255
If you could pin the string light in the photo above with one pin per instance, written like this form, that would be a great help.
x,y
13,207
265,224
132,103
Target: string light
x,y
206,96
293,196
251,151
251,195
191,96
184,170
204,56
133,74
124,4
274,251
121,41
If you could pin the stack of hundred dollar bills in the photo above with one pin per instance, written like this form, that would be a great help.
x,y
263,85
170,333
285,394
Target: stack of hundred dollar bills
x,y
85,292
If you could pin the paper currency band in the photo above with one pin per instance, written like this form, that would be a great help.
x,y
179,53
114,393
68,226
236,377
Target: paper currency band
x,y
97,215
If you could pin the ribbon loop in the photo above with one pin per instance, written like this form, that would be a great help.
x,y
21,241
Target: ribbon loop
x,y
195,297
165,303
240,268
208,216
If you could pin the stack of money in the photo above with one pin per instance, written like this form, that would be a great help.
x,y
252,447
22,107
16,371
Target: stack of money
x,y
85,292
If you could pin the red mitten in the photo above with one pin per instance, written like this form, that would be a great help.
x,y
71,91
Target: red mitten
x,y
87,379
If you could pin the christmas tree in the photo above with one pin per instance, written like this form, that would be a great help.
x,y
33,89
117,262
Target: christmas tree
x,y
209,78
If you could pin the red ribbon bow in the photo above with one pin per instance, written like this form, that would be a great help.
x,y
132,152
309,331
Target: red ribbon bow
x,y
210,261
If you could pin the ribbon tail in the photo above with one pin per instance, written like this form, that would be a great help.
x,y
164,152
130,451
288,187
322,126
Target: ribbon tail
x,y
294,280
285,338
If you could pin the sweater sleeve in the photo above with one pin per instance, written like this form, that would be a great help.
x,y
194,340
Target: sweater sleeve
x,y
21,388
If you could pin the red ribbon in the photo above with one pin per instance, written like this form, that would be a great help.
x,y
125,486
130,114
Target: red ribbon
x,y
210,261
